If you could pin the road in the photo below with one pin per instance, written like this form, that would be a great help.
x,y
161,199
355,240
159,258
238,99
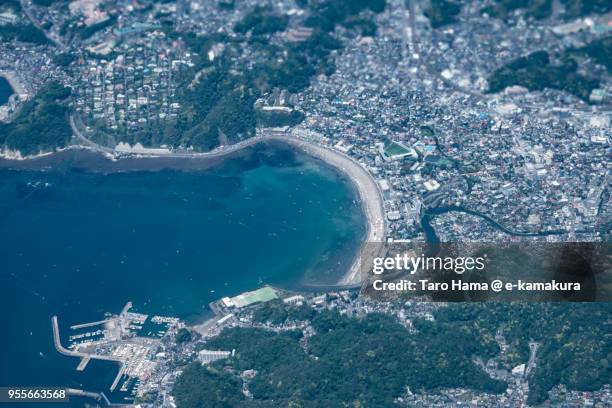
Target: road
x,y
413,32
25,6
218,152
533,350
88,143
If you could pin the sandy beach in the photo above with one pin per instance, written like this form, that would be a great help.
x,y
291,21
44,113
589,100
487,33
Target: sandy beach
x,y
369,194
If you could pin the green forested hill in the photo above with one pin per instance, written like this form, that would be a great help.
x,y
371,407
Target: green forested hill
x,y
41,124
369,362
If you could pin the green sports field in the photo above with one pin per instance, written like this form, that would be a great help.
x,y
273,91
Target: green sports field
x,y
264,294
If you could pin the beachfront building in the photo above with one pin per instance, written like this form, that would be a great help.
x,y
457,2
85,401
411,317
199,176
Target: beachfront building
x,y
261,295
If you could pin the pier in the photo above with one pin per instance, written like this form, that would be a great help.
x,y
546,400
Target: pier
x,y
117,378
81,393
83,363
96,396
85,325
126,308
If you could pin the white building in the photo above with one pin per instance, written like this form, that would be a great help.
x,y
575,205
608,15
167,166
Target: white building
x,y
208,356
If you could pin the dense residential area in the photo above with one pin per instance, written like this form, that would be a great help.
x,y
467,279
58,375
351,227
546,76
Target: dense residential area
x,y
483,120
475,123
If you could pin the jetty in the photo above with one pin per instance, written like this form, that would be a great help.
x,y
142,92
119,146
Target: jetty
x,y
85,325
82,393
98,396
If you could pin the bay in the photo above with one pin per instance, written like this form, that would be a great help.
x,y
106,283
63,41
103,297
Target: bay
x,y
79,240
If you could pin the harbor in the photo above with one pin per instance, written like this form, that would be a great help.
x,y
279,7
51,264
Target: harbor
x,y
130,339
145,347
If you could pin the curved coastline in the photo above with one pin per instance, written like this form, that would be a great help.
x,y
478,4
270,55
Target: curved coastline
x,y
12,78
370,196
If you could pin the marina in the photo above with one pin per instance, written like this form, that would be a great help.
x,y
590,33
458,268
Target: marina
x,y
118,341
142,355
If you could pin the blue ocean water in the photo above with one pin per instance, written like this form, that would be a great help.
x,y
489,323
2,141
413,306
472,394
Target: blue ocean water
x,y
77,243
5,90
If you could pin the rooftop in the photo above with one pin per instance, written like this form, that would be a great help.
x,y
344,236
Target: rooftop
x,y
264,294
